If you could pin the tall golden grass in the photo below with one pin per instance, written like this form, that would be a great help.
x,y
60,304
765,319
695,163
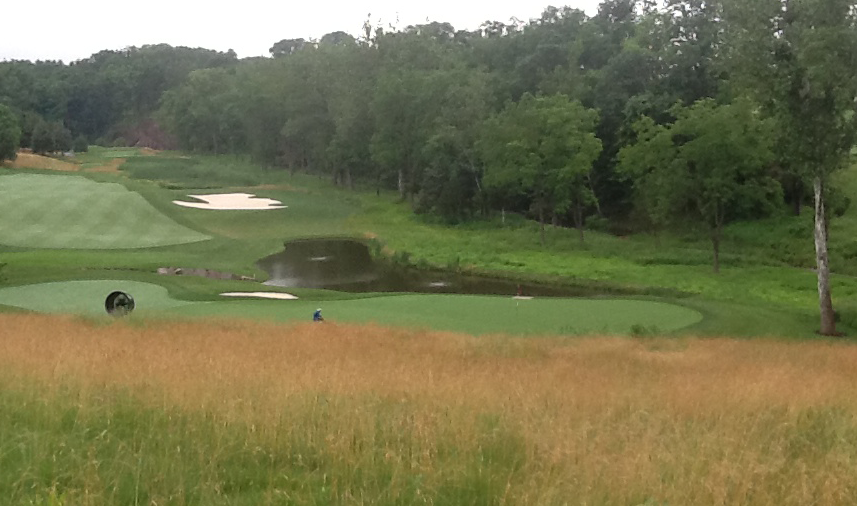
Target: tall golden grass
x,y
26,160
598,420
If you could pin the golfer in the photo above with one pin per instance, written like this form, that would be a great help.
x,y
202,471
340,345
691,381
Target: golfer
x,y
316,317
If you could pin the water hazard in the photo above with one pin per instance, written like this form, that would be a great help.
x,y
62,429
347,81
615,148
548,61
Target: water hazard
x,y
346,265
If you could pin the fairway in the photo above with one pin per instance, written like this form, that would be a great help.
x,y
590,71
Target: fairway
x,y
463,313
38,211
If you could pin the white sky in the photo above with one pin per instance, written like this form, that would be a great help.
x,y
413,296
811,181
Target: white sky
x,y
68,31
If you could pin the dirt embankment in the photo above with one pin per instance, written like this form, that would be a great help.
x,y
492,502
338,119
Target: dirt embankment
x,y
27,160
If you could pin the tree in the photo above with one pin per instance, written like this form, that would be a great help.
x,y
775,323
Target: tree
x,y
203,112
451,181
798,58
694,55
544,147
50,137
350,79
412,81
288,47
709,166
80,144
10,134
338,39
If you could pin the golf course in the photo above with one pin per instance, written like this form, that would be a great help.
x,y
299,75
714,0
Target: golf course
x,y
72,238
686,386
427,254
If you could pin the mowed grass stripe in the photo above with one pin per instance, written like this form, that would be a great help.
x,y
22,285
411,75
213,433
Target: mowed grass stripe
x,y
41,211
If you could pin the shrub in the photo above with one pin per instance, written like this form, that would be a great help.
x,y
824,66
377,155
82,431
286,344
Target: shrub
x,y
80,144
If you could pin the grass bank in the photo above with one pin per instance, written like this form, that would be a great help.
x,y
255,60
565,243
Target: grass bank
x,y
182,413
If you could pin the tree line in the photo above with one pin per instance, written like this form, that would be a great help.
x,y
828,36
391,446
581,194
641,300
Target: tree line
x,y
645,116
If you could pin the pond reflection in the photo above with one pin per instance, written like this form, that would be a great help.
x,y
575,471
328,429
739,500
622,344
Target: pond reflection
x,y
346,265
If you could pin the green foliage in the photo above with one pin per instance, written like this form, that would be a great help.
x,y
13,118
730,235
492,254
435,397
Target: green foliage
x,y
51,137
542,147
80,144
10,134
797,58
203,112
709,166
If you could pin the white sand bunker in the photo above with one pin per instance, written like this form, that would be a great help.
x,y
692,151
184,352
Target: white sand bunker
x,y
231,202
261,295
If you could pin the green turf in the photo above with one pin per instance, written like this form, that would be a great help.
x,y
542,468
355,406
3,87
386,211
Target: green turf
x,y
86,297
475,314
472,314
39,211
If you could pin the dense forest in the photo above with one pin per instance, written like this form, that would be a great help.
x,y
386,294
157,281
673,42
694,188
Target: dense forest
x,y
644,117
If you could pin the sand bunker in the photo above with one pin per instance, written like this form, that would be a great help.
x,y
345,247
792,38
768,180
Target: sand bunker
x,y
231,202
261,295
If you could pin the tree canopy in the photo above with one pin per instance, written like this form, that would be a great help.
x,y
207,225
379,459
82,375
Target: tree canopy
x,y
711,166
10,134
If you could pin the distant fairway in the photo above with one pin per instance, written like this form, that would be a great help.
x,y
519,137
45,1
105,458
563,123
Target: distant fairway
x,y
463,313
86,297
39,211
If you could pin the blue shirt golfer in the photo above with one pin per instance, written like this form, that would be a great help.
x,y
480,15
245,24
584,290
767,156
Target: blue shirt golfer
x,y
316,317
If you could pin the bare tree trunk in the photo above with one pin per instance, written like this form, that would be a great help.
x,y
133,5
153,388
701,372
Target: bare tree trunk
x,y
798,198
348,179
402,184
578,220
825,302
715,243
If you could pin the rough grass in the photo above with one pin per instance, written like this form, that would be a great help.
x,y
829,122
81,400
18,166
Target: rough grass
x,y
202,171
324,414
34,161
39,211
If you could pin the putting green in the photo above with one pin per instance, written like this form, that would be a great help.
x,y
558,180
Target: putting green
x,y
460,313
474,314
87,297
39,211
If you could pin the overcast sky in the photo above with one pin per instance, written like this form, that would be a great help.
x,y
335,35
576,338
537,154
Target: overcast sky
x,y
69,31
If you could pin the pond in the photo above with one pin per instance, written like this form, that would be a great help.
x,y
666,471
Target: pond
x,y
346,265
